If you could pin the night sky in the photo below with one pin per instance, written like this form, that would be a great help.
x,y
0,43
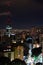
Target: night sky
x,y
24,14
